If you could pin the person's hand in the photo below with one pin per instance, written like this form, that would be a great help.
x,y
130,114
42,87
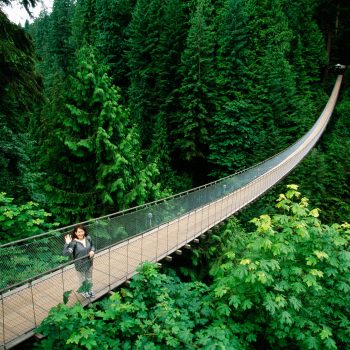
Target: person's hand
x,y
67,239
91,254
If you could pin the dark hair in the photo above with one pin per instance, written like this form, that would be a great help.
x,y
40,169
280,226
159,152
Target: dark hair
x,y
76,228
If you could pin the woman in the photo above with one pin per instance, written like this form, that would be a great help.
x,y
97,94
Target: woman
x,y
79,245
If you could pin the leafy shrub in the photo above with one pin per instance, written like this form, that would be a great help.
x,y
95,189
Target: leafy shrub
x,y
156,312
283,286
21,221
289,285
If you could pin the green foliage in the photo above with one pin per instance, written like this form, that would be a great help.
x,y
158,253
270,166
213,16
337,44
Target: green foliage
x,y
143,42
20,95
233,135
266,82
93,161
20,262
84,23
59,50
17,74
18,173
329,192
85,287
285,283
196,263
21,221
282,284
66,296
156,36
112,19
197,95
154,313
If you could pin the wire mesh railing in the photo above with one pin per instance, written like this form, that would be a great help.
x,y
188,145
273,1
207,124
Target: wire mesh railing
x,y
23,260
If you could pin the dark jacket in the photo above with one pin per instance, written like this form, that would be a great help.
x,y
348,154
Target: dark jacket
x,y
76,250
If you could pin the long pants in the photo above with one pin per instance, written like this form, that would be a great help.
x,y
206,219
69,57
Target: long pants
x,y
85,276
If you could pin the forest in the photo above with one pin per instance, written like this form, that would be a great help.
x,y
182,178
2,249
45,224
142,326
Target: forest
x,y
110,104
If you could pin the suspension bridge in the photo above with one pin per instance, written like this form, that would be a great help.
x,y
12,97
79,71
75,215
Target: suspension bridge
x,y
35,275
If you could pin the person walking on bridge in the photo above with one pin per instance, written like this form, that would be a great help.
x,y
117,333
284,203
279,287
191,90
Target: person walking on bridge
x,y
79,245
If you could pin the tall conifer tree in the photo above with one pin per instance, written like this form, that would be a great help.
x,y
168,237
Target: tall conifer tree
x,y
60,50
270,77
93,161
308,58
167,57
144,33
233,135
84,26
156,39
197,92
112,19
20,96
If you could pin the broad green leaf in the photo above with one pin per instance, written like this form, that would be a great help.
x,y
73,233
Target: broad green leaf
x,y
321,255
315,213
325,333
245,262
286,318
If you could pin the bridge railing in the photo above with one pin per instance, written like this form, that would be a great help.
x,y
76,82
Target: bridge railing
x,y
25,259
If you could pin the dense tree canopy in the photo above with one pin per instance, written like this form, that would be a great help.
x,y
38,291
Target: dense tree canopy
x,y
93,156
108,104
20,96
212,87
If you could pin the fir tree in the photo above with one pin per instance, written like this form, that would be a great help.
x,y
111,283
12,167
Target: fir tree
x,y
60,50
39,30
197,93
144,33
84,25
95,167
112,19
167,57
270,78
233,135
20,96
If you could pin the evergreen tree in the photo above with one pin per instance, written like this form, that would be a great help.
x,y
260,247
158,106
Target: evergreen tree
x,y
93,162
144,33
168,54
112,19
233,135
270,81
167,57
39,30
308,58
20,95
197,93
84,23
156,39
60,50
